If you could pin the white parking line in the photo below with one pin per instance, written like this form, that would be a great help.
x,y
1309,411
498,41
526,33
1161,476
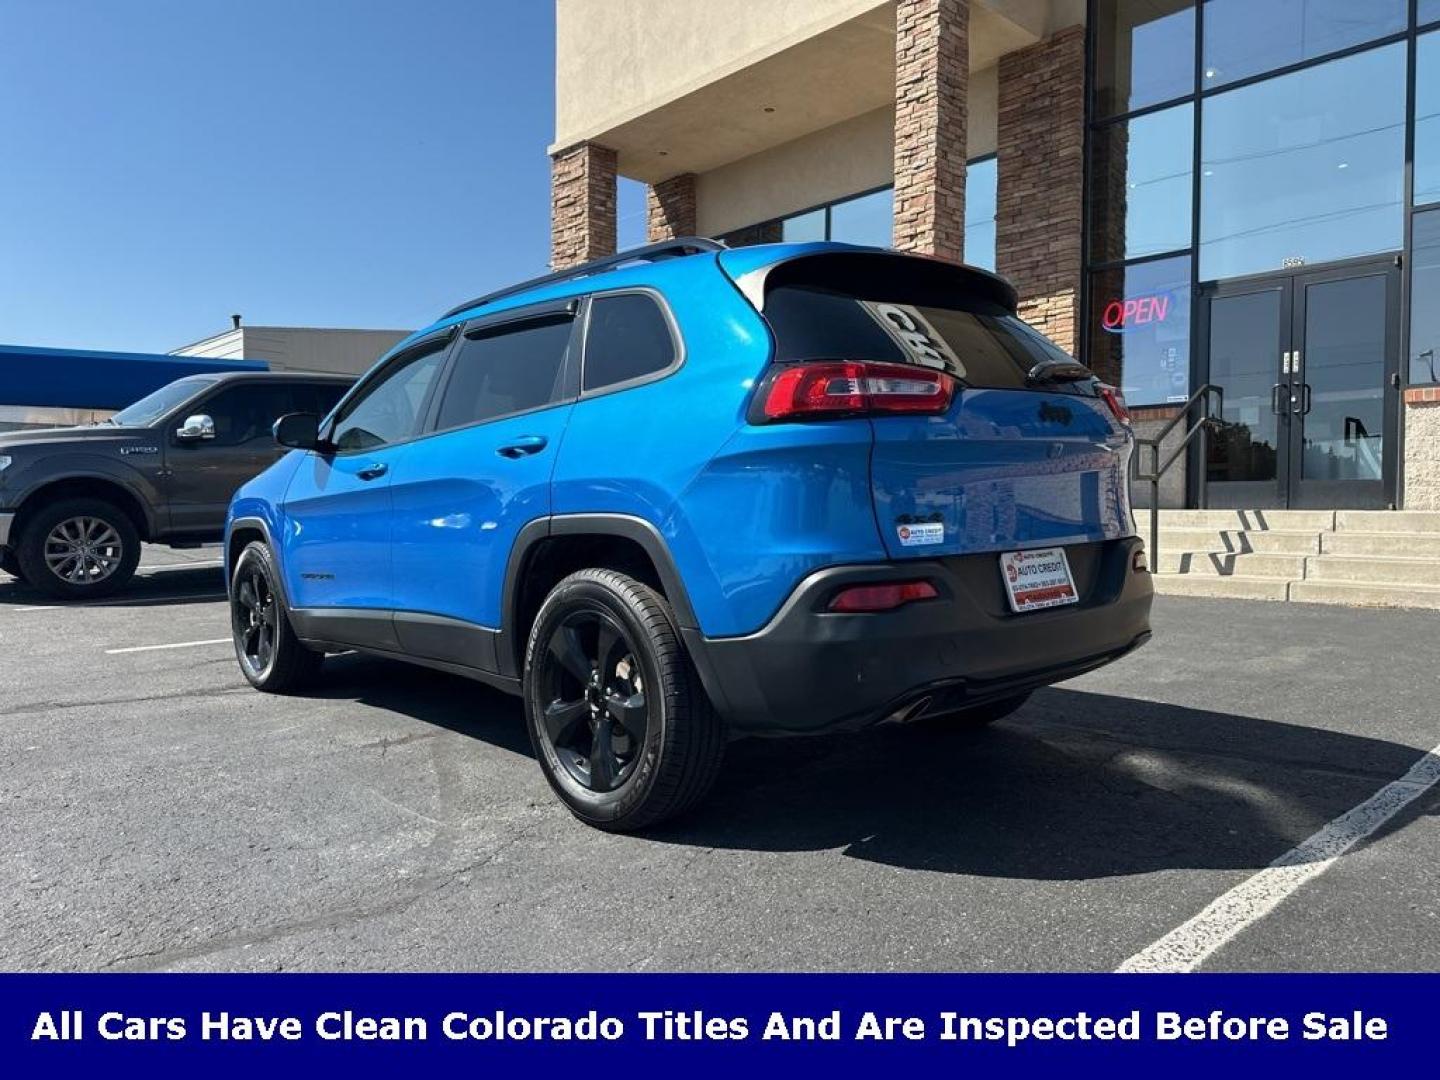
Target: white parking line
x,y
174,645
1187,946
126,601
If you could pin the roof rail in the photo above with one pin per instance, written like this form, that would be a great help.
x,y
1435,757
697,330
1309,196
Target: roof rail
x,y
666,249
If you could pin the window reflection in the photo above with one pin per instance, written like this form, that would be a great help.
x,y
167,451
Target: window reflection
x,y
805,227
1144,53
869,219
1140,185
1245,342
1306,166
1243,37
1425,299
1427,118
1139,329
980,201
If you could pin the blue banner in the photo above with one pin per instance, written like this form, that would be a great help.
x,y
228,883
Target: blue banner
x,y
714,1024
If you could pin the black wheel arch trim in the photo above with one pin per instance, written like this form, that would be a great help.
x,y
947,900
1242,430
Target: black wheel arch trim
x,y
625,526
263,527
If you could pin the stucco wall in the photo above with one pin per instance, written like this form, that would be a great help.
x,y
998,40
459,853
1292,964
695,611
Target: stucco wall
x,y
616,57
1422,450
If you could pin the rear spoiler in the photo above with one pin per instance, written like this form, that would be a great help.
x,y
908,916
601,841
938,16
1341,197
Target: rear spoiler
x,y
757,270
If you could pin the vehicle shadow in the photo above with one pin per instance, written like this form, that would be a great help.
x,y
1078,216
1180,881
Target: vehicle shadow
x,y
1075,785
201,585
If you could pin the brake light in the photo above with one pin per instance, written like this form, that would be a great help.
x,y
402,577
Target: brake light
x,y
886,597
1116,401
851,388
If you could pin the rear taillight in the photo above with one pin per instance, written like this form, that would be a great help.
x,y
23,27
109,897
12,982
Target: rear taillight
x,y
815,390
1116,401
887,597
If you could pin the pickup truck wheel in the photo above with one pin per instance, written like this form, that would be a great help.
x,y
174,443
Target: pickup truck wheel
x,y
621,727
78,549
977,716
271,657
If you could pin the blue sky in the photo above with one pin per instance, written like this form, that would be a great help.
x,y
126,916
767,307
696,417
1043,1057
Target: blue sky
x,y
303,162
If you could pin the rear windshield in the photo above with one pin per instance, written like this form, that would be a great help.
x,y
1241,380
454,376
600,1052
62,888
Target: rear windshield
x,y
903,310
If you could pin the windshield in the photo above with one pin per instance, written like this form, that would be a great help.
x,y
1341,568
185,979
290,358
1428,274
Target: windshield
x,y
155,405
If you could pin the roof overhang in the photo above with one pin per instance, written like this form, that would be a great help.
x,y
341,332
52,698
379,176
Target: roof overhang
x,y
803,86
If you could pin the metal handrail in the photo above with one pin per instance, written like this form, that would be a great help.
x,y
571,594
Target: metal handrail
x,y
1210,418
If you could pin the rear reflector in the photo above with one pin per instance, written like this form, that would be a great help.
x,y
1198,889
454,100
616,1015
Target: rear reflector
x,y
817,390
1116,401
886,597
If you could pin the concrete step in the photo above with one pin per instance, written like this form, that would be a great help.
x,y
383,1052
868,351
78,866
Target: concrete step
x,y
1236,540
1230,588
1397,544
1374,521
1228,564
1365,594
1373,569
1257,520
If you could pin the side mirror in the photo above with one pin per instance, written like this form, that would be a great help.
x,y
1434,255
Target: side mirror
x,y
195,428
298,430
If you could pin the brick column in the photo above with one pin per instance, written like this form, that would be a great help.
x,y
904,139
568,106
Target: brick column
x,y
670,208
582,204
932,73
1041,166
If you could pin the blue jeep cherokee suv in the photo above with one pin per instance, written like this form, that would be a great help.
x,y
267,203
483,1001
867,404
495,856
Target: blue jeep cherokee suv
x,y
690,492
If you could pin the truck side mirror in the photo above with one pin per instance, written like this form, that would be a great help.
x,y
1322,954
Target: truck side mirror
x,y
199,426
298,430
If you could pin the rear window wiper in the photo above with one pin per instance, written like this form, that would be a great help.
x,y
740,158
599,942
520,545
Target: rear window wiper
x,y
1053,371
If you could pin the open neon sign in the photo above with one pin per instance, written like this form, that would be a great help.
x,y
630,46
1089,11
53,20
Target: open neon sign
x,y
1120,316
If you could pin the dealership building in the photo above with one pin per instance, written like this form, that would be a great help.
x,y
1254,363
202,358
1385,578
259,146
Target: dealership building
x,y
1244,193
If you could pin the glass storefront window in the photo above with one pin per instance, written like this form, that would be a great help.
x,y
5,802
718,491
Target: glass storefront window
x,y
1427,118
1140,178
1244,38
1139,329
1144,53
800,228
1305,167
1429,12
981,177
869,219
1425,298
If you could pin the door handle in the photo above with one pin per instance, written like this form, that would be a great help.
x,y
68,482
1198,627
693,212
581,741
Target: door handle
x,y
524,445
373,472
1275,398
1304,402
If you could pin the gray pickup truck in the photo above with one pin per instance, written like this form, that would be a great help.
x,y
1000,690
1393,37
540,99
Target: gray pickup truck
x,y
76,503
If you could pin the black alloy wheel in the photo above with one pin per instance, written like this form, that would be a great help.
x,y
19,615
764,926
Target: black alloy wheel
x,y
271,657
253,617
595,712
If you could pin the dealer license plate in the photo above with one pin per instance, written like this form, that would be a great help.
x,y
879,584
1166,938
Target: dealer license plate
x,y
1037,579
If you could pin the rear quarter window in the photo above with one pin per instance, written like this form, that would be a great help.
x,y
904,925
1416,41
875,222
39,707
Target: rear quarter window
x,y
628,338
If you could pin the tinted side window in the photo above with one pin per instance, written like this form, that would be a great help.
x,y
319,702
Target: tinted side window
x,y
628,338
508,370
389,409
246,412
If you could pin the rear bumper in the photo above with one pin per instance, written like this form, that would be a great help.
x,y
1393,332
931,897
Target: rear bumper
x,y
809,670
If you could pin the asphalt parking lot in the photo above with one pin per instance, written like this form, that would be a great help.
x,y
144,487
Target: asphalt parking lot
x,y
155,813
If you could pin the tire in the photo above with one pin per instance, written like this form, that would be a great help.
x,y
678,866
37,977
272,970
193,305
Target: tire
x,y
621,727
270,656
977,716
10,563
78,549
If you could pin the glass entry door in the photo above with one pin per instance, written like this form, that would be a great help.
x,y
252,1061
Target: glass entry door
x,y
1306,363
